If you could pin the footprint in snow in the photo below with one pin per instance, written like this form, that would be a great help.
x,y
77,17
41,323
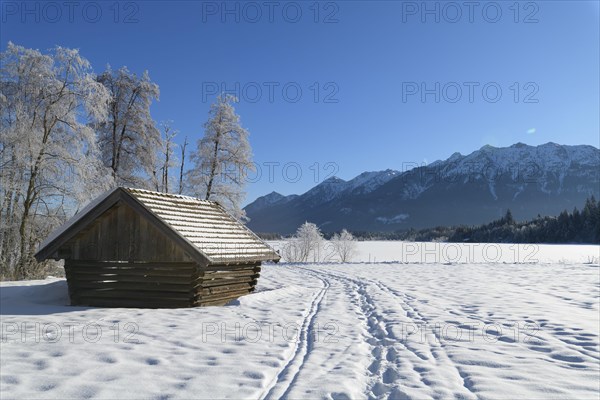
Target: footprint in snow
x,y
47,386
254,375
541,349
567,358
374,367
41,365
10,380
152,361
87,392
339,396
390,376
105,358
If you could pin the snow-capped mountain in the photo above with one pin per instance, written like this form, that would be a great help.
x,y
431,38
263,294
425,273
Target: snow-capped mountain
x,y
369,181
463,189
327,190
335,187
267,200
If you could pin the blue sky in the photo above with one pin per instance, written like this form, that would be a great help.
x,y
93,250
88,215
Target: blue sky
x,y
383,84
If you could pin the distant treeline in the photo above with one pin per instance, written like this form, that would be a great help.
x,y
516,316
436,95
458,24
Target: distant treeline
x,y
568,227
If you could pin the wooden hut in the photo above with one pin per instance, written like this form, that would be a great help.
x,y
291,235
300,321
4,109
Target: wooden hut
x,y
137,248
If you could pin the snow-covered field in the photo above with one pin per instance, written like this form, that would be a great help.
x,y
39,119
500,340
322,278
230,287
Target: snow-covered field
x,y
425,329
444,253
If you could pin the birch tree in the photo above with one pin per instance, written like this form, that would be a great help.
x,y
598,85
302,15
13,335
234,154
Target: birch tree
x,y
182,165
310,239
223,158
291,251
129,139
166,159
49,155
344,245
305,245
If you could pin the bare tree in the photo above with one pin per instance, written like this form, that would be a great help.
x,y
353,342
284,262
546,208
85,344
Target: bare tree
x,y
223,158
291,251
49,156
182,164
128,139
165,159
344,245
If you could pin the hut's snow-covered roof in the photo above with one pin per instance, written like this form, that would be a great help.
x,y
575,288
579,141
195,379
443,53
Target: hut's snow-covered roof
x,y
202,226
207,225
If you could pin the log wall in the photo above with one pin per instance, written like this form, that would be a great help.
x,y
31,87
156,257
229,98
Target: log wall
x,y
218,285
157,285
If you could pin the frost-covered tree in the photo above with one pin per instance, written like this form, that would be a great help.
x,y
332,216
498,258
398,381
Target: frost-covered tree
x,y
310,238
291,251
49,156
182,164
129,139
344,245
222,159
166,160
305,245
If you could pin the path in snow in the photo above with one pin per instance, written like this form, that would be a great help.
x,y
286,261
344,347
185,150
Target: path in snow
x,y
382,331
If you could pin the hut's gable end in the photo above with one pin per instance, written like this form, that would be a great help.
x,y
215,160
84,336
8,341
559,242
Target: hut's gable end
x,y
122,234
207,226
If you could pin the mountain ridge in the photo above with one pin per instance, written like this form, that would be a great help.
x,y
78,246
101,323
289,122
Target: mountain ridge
x,y
463,189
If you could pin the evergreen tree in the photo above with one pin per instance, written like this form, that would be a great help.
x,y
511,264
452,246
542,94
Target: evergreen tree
x,y
508,218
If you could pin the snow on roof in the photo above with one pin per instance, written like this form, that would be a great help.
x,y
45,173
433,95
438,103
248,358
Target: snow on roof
x,y
205,224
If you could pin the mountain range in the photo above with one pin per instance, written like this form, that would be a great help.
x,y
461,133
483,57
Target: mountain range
x,y
461,190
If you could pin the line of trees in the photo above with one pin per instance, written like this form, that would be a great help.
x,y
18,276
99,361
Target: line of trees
x,y
309,245
568,227
68,134
577,226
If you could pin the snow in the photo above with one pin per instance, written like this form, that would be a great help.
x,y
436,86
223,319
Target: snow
x,y
201,222
335,187
390,251
522,161
369,181
524,164
382,330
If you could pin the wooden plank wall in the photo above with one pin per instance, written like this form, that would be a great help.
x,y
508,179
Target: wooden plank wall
x,y
121,235
147,285
219,284
157,285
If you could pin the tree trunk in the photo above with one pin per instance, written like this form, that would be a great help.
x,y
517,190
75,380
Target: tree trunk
x,y
113,161
24,259
182,165
166,171
24,256
213,167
